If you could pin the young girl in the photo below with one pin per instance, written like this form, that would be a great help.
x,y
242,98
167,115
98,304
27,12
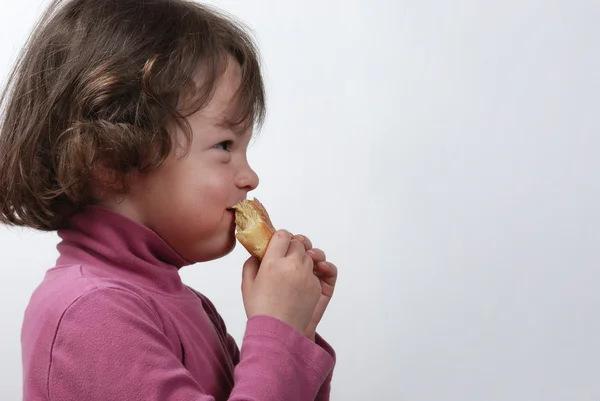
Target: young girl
x,y
125,128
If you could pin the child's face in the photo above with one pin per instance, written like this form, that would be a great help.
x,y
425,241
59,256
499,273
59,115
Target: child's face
x,y
187,200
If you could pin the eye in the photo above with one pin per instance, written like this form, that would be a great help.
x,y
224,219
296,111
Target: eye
x,y
225,145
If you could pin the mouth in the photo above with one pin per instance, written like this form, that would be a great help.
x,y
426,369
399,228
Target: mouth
x,y
234,207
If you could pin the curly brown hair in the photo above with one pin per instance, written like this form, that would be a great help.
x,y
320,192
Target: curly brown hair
x,y
100,86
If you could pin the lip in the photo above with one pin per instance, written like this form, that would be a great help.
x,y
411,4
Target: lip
x,y
232,208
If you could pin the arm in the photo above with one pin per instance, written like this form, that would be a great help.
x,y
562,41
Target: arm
x,y
110,346
325,389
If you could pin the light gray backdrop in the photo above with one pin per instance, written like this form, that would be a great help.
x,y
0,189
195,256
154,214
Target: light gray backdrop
x,y
445,154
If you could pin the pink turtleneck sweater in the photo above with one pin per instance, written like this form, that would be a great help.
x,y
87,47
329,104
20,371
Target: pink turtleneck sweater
x,y
113,321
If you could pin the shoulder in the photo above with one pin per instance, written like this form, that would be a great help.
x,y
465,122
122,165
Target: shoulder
x,y
65,291
70,318
105,312
62,286
110,340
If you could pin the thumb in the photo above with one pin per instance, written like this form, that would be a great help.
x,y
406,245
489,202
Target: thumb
x,y
249,272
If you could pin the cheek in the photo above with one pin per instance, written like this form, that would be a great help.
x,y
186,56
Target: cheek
x,y
213,187
200,188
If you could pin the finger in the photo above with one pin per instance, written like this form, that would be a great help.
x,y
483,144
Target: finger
x,y
296,248
278,245
308,262
305,240
327,275
328,272
317,255
249,272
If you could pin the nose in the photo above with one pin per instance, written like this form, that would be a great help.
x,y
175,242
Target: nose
x,y
247,178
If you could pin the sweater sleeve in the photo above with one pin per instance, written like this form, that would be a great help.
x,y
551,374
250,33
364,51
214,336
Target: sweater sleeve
x,y
325,390
233,350
109,346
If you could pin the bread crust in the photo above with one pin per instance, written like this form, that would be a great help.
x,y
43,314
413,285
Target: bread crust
x,y
254,227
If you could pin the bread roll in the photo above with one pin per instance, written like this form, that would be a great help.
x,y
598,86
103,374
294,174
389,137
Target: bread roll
x,y
254,227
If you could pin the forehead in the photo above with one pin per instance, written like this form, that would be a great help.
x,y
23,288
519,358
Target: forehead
x,y
223,103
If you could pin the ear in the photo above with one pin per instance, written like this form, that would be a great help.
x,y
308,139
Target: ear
x,y
108,183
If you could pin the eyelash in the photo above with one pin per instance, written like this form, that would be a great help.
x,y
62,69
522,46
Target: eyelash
x,y
227,145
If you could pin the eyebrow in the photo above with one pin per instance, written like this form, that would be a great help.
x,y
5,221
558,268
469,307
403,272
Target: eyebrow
x,y
226,123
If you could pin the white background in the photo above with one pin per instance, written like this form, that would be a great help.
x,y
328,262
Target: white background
x,y
445,155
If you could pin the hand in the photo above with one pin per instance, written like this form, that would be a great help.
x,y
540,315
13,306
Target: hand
x,y
285,286
327,273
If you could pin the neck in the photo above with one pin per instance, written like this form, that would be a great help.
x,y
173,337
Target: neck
x,y
116,245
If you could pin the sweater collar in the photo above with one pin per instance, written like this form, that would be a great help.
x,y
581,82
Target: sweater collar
x,y
120,246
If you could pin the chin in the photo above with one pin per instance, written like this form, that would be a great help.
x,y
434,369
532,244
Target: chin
x,y
228,249
216,251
